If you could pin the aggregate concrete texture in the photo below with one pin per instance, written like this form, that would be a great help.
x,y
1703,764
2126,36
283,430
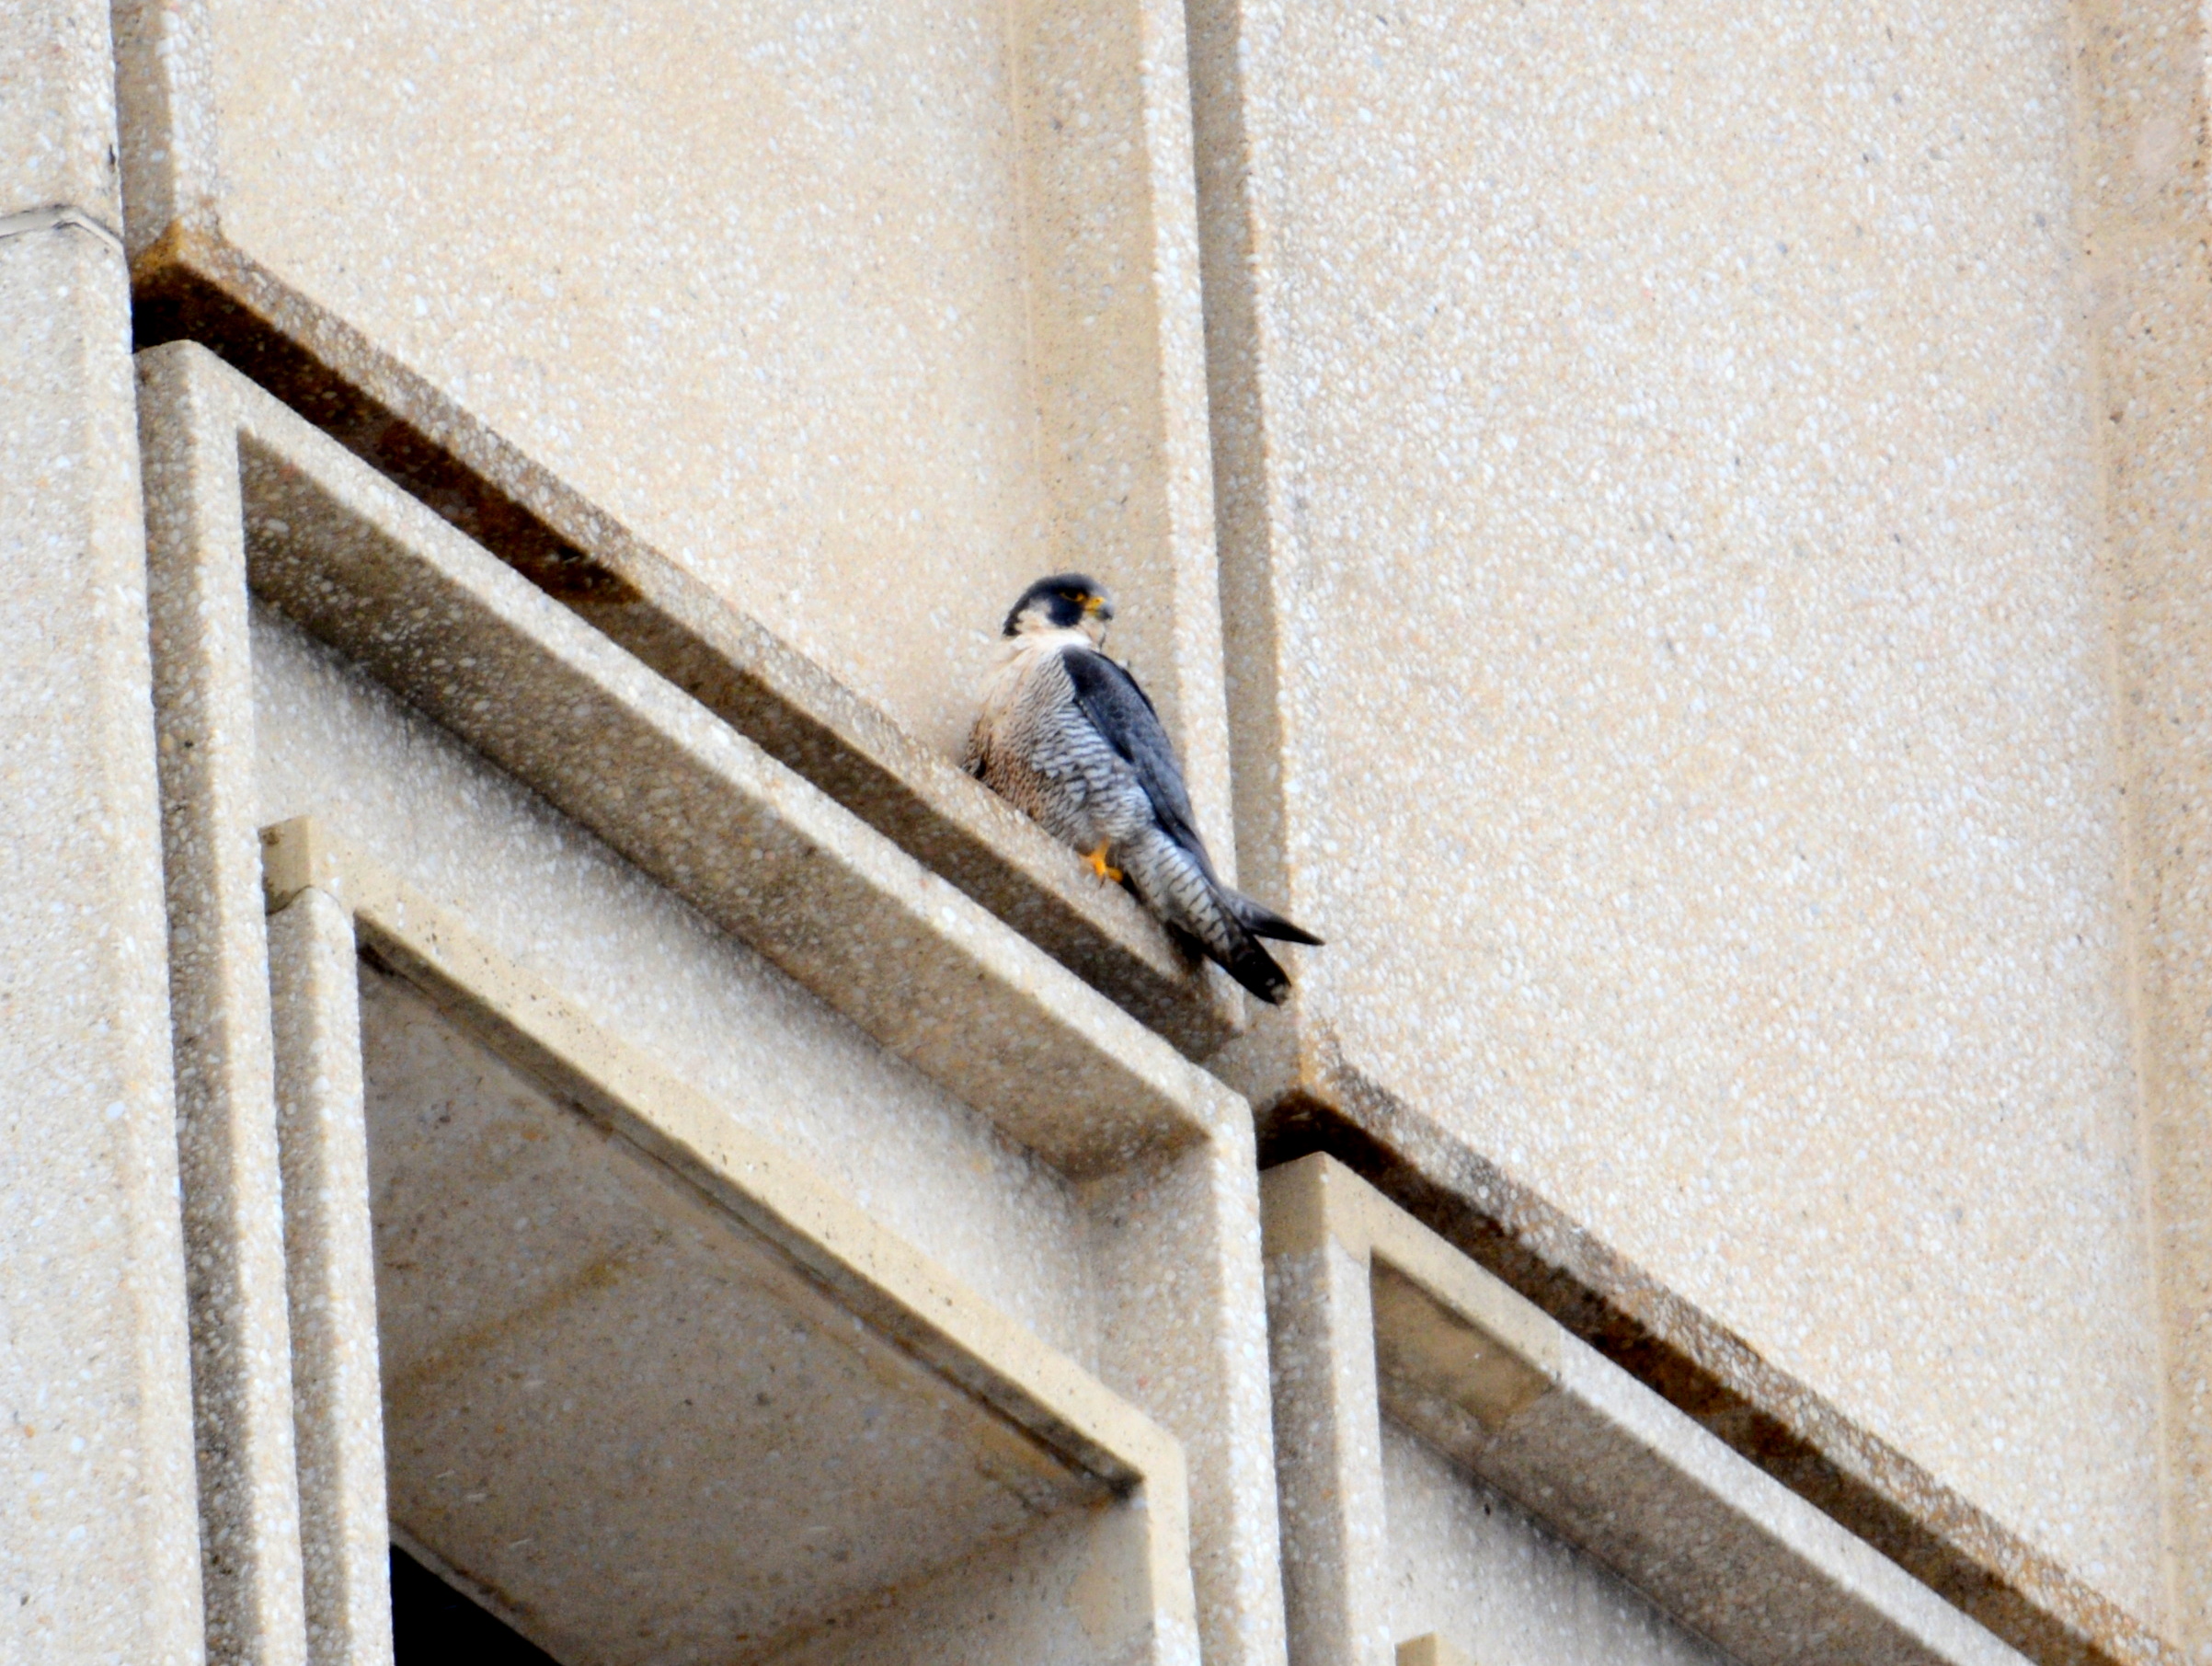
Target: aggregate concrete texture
x,y
1712,574
1462,1557
336,1378
1676,443
757,1337
98,1533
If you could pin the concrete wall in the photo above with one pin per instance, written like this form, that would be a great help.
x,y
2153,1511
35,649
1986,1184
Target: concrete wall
x,y
866,316
1681,536
1705,614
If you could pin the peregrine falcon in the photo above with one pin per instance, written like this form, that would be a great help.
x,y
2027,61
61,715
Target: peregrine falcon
x,y
1066,734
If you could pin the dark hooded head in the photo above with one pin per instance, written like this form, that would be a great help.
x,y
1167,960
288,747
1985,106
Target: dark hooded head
x,y
1063,601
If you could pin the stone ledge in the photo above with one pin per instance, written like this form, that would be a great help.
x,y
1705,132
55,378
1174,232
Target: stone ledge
x,y
1876,1493
1485,1376
191,285
358,563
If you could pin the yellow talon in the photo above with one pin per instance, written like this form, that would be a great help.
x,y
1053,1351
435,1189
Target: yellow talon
x,y
1096,858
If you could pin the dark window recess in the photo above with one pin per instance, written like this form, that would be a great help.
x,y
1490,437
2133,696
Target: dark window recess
x,y
433,1625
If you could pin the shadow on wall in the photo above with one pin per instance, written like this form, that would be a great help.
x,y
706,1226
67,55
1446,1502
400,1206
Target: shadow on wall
x,y
433,1625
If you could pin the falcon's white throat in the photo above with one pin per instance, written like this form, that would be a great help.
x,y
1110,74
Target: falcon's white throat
x,y
1017,655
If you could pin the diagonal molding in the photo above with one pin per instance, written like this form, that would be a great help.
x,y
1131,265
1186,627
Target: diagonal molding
x,y
1380,1317
367,569
194,285
1793,1434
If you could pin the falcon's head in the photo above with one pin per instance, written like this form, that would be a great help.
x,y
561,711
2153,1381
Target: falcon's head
x,y
1064,602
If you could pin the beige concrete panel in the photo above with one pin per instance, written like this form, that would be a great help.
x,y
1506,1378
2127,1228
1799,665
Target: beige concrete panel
x,y
195,285
1328,1462
575,1294
99,1547
1113,316
772,311
1246,484
1697,727
1060,1592
1181,1236
559,903
333,741
231,1179
785,314
590,1378
1131,395
1175,1240
162,81
344,1536
542,1032
2140,79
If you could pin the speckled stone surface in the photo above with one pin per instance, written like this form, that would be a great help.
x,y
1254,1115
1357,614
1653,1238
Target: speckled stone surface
x,y
98,1552
1058,1593
1684,533
1376,1320
57,130
229,1170
1688,410
344,1516
563,906
1085,1275
538,1282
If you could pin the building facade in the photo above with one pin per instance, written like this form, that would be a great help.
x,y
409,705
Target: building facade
x,y
1673,536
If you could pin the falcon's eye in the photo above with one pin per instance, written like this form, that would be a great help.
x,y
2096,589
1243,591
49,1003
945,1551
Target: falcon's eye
x,y
1070,595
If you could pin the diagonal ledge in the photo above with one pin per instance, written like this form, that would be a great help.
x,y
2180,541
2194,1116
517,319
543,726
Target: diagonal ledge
x,y
1951,1545
1449,1352
355,562
192,285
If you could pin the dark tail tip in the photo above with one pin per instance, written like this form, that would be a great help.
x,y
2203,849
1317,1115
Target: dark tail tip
x,y
1256,968
1264,922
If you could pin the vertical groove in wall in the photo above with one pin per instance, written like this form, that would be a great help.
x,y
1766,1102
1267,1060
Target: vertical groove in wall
x,y
2140,85
1244,526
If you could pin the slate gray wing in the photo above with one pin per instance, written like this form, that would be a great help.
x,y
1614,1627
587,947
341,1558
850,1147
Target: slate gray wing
x,y
1122,713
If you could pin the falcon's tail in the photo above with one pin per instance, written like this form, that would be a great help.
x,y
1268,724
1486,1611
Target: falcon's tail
x,y
1224,925
1263,922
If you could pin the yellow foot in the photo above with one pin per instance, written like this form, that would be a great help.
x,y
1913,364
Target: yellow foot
x,y
1096,858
